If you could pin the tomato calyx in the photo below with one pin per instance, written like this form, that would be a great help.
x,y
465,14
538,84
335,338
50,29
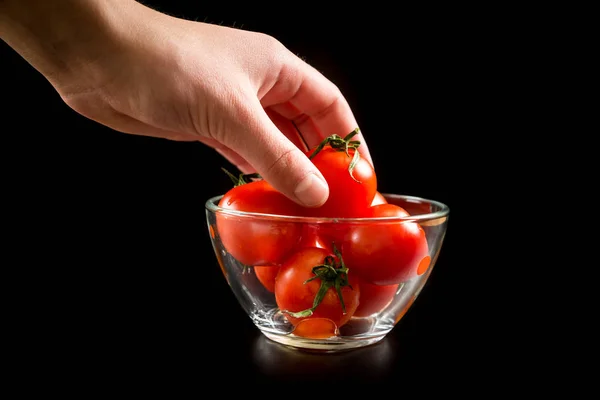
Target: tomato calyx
x,y
333,274
241,179
339,143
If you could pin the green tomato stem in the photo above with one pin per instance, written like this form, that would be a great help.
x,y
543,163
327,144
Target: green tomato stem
x,y
241,179
333,274
338,143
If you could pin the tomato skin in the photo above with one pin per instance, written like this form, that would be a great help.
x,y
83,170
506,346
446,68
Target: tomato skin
x,y
266,275
316,328
254,241
386,253
294,295
313,236
374,298
347,197
334,233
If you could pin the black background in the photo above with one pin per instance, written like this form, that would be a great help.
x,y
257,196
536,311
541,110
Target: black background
x,y
112,227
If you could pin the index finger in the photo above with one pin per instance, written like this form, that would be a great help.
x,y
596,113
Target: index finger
x,y
315,105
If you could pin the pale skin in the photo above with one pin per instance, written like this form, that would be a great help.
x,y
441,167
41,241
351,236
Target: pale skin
x,y
139,71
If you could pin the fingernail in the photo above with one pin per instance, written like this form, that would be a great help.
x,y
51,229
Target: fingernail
x,y
312,191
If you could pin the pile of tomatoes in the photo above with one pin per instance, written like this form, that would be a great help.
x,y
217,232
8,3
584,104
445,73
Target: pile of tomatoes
x,y
325,272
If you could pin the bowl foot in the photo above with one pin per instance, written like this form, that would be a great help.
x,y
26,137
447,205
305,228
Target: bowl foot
x,y
329,345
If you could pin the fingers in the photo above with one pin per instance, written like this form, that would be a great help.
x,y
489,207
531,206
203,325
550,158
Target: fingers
x,y
287,127
316,105
275,157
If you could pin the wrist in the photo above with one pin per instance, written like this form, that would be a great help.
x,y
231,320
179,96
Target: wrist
x,y
60,37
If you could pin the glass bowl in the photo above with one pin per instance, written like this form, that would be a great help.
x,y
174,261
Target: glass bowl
x,y
370,301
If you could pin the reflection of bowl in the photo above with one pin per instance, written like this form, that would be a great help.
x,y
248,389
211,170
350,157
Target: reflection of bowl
x,y
365,272
283,363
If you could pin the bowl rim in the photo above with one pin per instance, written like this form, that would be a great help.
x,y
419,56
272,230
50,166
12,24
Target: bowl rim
x,y
443,212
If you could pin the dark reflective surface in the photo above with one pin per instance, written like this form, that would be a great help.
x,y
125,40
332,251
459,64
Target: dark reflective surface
x,y
281,362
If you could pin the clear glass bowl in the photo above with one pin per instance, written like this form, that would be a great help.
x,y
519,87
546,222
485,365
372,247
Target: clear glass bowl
x,y
384,303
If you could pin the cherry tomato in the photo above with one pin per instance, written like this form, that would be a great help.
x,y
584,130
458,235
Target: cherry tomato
x,y
374,298
312,236
330,234
305,288
386,253
351,190
316,328
254,241
266,275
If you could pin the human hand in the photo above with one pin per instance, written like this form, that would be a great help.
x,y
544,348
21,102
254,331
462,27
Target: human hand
x,y
243,93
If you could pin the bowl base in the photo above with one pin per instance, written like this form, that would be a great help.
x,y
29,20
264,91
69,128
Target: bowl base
x,y
358,332
330,345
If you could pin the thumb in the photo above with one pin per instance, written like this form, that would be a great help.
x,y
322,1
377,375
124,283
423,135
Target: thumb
x,y
279,161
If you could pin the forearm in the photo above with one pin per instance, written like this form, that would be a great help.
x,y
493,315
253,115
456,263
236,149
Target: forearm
x,y
57,36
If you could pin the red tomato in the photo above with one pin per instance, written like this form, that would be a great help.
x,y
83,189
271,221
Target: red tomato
x,y
330,234
386,253
266,275
305,277
316,328
374,298
378,199
254,241
312,237
351,191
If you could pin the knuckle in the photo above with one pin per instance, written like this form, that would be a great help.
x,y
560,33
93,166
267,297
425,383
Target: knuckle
x,y
281,164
